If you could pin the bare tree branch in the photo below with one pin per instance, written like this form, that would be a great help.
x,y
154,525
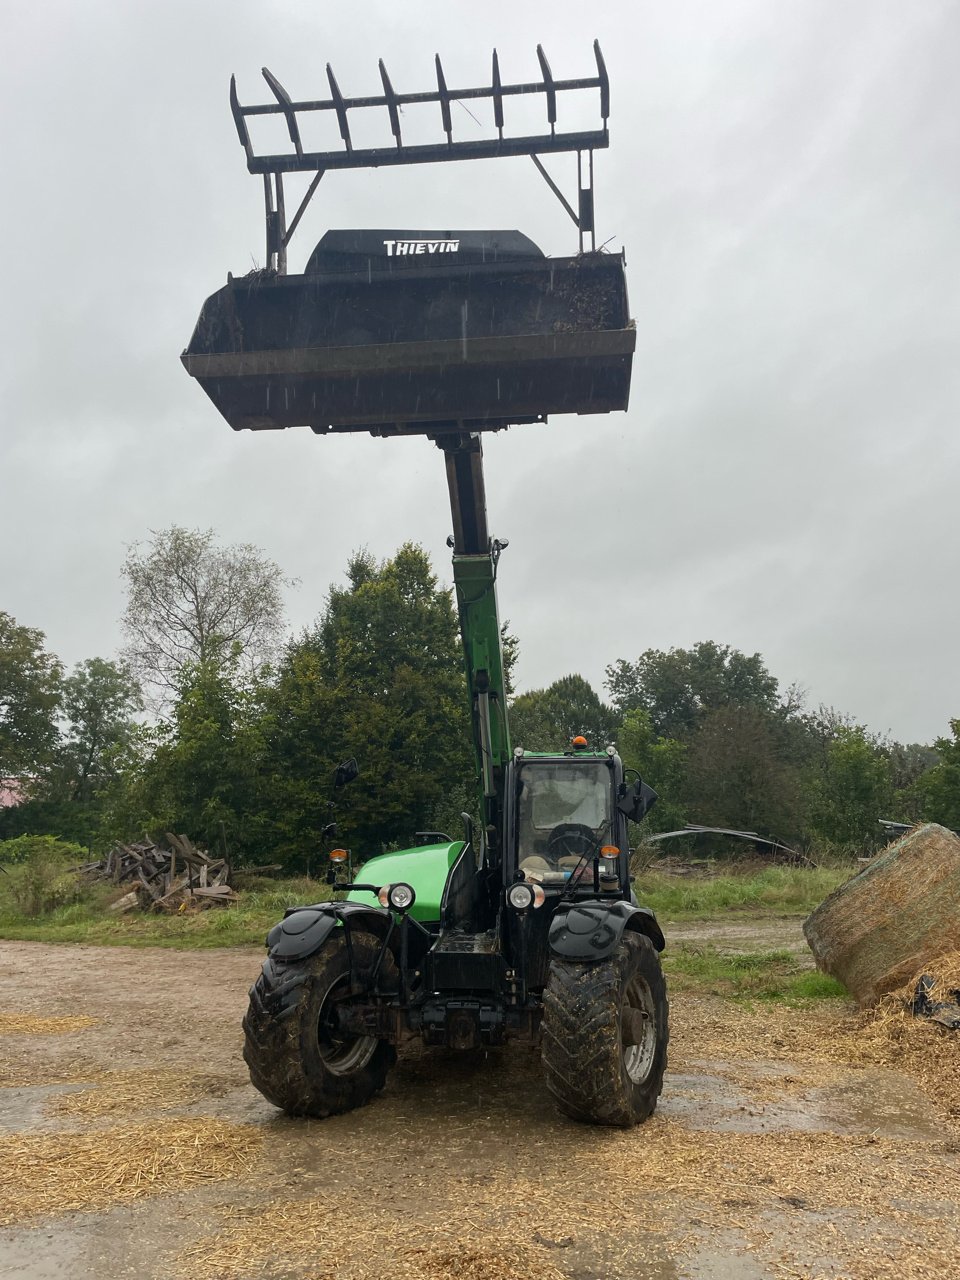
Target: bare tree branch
x,y
190,600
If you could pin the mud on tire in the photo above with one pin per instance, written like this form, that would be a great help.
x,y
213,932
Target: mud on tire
x,y
296,1058
605,1032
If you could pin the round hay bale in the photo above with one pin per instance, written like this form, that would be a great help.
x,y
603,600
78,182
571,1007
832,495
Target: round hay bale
x,y
892,918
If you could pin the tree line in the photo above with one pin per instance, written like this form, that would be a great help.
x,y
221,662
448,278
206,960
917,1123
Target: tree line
x,y
210,724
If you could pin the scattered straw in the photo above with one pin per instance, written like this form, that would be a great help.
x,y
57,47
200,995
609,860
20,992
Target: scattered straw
x,y
801,1204
373,1241
945,971
480,1261
804,1204
819,1041
57,1173
28,1024
123,1092
33,1075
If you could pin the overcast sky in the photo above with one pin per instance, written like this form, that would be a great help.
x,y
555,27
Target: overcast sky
x,y
784,176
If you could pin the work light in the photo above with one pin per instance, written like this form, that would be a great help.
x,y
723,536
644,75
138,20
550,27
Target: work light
x,y
520,896
400,897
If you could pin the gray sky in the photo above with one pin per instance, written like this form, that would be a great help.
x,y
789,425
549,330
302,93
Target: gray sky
x,y
785,178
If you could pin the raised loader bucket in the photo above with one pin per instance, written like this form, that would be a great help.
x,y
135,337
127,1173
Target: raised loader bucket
x,y
417,332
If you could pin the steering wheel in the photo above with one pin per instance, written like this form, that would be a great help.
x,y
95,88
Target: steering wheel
x,y
571,840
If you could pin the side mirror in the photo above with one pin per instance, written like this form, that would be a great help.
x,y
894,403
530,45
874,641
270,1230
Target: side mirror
x,y
345,773
637,800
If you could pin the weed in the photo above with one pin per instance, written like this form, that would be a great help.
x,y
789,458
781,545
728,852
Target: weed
x,y
245,923
760,975
774,890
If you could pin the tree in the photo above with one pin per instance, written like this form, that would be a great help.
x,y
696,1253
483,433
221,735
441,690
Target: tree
x,y
380,677
510,654
97,705
661,762
853,788
677,687
191,602
737,775
30,683
909,762
198,770
939,788
546,719
99,700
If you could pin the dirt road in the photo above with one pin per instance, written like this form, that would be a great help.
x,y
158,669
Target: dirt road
x,y
131,1144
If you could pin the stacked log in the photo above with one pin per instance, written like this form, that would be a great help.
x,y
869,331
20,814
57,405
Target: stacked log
x,y
164,879
894,917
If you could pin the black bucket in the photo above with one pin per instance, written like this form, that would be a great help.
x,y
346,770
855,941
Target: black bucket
x,y
416,333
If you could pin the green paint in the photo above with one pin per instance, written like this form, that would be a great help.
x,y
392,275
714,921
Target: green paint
x,y
425,868
474,579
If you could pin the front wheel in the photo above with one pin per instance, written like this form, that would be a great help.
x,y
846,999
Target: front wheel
x,y
605,1032
298,1058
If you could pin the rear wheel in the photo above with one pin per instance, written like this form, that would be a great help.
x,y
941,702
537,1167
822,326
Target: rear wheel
x,y
605,1032
297,1055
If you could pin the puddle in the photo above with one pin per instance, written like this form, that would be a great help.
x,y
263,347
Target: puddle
x,y
724,1257
872,1101
876,1101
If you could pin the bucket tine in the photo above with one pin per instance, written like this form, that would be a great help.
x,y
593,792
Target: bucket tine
x,y
392,104
444,95
549,88
604,83
240,120
493,144
340,106
289,114
497,94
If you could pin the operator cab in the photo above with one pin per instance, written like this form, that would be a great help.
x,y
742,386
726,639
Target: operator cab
x,y
565,814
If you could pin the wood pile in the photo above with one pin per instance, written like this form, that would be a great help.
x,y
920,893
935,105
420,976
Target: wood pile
x,y
164,879
894,918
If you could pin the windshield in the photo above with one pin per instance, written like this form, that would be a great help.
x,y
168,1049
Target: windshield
x,y
561,809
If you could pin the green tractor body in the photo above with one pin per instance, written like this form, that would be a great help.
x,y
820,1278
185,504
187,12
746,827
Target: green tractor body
x,y
526,927
427,868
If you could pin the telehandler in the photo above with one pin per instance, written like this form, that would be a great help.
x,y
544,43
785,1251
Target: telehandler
x,y
527,926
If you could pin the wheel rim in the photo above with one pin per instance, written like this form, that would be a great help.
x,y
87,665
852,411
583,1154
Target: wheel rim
x,y
342,1055
638,1058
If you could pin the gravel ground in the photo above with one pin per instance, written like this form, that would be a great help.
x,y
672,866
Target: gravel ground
x,y
756,1166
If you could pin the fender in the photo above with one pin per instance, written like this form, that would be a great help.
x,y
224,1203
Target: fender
x,y
303,930
592,930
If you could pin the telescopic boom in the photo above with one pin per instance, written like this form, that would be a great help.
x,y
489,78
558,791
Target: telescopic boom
x,y
475,557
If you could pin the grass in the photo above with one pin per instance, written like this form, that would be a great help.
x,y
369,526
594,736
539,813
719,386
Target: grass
x,y
243,924
774,891
757,975
771,891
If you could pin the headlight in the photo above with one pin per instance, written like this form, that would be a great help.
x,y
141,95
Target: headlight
x,y
521,895
400,897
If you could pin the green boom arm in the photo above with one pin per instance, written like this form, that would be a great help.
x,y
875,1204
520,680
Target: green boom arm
x,y
475,559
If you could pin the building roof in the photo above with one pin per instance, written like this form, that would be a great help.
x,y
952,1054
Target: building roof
x,y
12,792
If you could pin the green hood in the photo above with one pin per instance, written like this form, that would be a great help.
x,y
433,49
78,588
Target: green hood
x,y
425,868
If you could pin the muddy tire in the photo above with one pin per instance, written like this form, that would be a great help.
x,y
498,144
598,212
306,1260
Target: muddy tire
x,y
297,1059
605,1034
